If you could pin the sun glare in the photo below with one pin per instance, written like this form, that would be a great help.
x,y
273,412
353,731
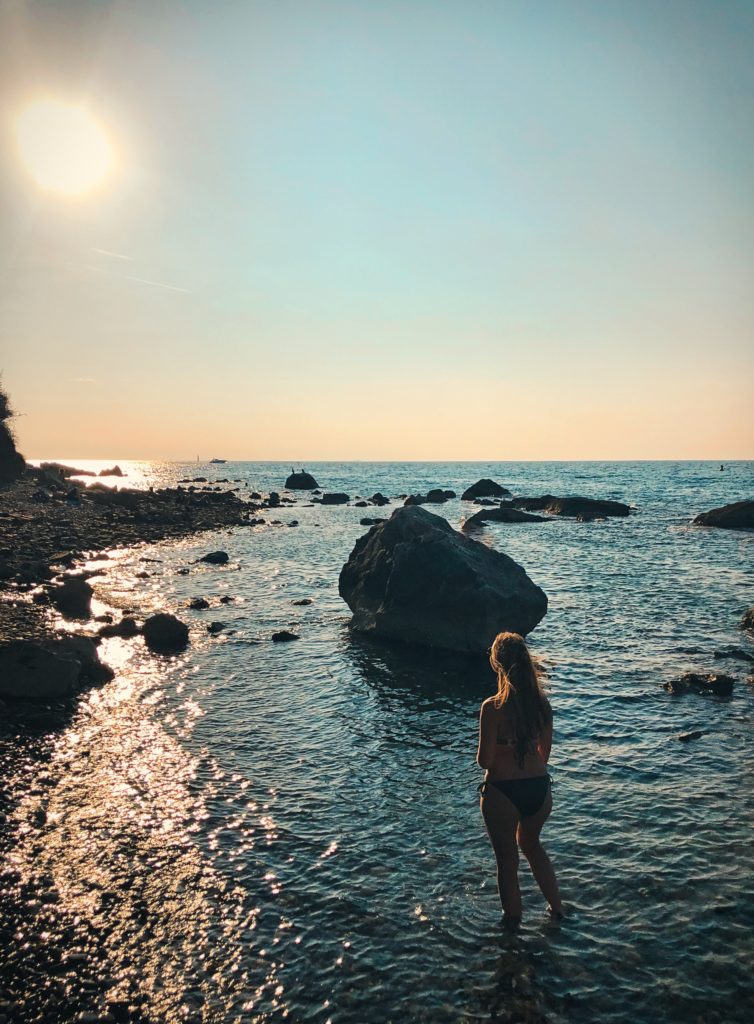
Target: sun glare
x,y
63,147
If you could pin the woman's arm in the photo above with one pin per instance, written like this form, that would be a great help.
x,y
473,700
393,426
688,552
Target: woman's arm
x,y
544,743
485,755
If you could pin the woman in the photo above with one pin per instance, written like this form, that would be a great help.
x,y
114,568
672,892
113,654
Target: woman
x,y
515,736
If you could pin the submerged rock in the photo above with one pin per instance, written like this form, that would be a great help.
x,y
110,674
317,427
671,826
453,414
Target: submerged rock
x,y
684,737
163,632
747,622
414,578
485,488
735,653
301,481
583,508
379,499
738,516
501,514
198,603
697,682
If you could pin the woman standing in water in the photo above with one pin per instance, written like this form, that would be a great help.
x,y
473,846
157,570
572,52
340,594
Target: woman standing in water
x,y
515,736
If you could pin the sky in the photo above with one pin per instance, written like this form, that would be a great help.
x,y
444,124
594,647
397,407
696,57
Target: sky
x,y
455,229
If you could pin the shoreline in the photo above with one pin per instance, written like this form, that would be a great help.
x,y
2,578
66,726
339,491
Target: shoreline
x,y
47,533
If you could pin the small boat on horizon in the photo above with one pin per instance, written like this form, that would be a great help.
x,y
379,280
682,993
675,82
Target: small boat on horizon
x,y
217,462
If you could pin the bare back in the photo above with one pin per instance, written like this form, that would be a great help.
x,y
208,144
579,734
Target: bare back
x,y
499,750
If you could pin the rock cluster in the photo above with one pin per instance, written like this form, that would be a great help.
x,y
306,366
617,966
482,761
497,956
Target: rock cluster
x,y
416,579
437,496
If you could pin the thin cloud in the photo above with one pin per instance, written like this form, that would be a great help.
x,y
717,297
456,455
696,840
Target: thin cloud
x,y
158,284
129,277
83,380
114,255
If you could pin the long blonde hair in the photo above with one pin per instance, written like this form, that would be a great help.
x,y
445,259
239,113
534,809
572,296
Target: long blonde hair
x,y
519,691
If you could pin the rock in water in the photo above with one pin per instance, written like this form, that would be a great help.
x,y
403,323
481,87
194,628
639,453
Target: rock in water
x,y
165,632
501,514
717,684
414,578
73,597
684,737
738,516
215,557
747,622
339,498
485,489
301,481
584,508
29,672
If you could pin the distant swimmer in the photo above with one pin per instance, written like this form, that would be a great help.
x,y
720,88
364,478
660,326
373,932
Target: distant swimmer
x,y
515,736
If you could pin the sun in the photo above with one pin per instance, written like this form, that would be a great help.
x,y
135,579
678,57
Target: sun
x,y
63,147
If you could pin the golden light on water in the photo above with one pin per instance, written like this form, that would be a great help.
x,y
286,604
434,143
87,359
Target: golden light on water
x,y
63,147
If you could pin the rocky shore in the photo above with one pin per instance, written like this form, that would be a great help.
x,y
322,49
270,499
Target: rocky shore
x,y
45,531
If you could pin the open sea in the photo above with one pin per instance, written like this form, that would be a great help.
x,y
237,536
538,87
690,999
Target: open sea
x,y
267,832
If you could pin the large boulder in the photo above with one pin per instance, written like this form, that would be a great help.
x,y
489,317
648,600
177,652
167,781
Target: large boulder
x,y
29,672
301,481
738,516
163,632
584,508
485,488
501,514
414,578
50,669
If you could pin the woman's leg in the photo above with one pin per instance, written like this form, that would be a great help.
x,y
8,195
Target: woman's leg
x,y
501,819
539,862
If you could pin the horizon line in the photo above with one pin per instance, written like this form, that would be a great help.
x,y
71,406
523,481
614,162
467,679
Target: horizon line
x,y
301,462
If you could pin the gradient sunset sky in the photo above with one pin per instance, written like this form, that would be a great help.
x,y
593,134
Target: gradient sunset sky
x,y
385,230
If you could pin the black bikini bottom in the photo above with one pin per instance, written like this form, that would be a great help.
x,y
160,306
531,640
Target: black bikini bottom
x,y
526,795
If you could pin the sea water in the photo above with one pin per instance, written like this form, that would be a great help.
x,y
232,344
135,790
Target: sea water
x,y
291,831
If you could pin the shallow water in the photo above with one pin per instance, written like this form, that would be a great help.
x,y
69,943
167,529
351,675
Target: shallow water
x,y
291,831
